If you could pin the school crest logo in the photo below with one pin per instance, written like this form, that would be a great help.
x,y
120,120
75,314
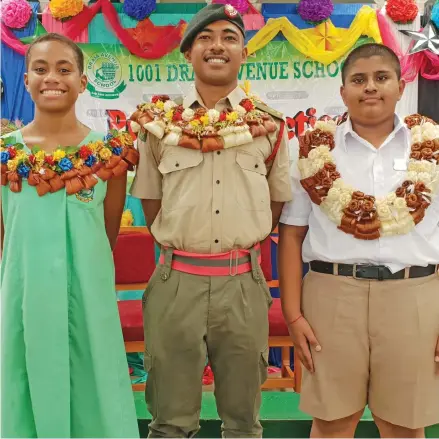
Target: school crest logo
x,y
86,195
104,73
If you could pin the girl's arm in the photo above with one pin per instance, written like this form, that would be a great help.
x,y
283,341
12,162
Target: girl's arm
x,y
113,206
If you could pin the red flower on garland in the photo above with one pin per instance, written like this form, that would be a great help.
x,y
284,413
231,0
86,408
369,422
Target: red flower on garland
x,y
12,152
32,159
223,116
85,152
157,98
115,142
402,11
177,116
247,104
49,160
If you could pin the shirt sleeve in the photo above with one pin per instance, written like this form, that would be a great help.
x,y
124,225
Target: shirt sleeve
x,y
297,211
279,173
147,183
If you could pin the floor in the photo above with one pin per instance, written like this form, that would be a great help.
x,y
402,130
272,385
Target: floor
x,y
280,417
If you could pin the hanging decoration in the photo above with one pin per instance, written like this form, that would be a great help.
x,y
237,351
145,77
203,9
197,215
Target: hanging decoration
x,y
139,9
315,11
240,5
15,13
424,63
77,24
426,39
402,11
435,14
147,34
326,44
65,9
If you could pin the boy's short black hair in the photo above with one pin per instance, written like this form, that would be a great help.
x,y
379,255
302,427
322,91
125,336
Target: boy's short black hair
x,y
367,51
51,36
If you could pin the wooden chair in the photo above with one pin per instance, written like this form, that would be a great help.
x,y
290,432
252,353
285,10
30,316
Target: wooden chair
x,y
132,324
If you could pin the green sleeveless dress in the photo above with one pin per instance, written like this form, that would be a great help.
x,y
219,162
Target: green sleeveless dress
x,y
64,371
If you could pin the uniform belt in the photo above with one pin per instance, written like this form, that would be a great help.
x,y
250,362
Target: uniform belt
x,y
371,272
230,263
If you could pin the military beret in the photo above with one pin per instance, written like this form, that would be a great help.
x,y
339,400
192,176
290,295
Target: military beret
x,y
209,14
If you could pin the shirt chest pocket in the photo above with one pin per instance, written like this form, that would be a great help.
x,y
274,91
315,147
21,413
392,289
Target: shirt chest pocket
x,y
181,179
251,185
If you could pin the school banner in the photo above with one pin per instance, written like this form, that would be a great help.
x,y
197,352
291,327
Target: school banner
x,y
299,87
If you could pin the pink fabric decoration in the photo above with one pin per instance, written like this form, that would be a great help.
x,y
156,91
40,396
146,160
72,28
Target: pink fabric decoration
x,y
240,5
75,26
253,20
15,13
425,63
58,26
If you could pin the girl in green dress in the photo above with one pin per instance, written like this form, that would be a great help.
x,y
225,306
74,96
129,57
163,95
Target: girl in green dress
x,y
63,367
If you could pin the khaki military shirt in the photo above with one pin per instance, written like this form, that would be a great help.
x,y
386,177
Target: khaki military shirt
x,y
217,201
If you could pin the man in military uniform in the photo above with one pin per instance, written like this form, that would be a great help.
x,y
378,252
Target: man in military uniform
x,y
209,205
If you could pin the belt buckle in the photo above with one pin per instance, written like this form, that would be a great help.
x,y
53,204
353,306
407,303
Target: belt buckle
x,y
233,269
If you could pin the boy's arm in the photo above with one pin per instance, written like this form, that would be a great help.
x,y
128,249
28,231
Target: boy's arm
x,y
113,206
291,269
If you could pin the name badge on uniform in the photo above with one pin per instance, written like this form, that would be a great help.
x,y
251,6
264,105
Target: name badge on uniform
x,y
400,164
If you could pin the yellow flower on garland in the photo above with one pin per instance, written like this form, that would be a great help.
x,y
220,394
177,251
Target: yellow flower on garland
x,y
20,155
105,153
126,138
12,164
232,117
96,146
195,123
77,163
39,157
205,120
169,114
65,8
59,154
160,105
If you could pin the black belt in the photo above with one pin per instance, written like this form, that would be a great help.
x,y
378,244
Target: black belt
x,y
375,272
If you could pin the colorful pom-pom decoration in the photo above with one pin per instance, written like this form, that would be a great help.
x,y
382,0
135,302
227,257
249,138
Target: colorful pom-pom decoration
x,y
315,11
15,13
402,11
435,14
64,9
139,9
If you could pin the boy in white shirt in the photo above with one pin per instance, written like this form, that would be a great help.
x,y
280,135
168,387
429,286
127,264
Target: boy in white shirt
x,y
365,322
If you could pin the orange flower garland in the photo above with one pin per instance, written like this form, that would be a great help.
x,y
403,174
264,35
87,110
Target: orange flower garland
x,y
75,168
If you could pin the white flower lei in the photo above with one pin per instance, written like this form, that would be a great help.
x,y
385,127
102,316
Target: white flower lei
x,y
393,213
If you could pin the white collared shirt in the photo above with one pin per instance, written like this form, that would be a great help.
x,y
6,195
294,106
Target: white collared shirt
x,y
369,170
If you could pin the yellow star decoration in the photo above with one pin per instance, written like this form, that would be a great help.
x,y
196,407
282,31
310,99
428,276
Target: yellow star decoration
x,y
327,36
324,43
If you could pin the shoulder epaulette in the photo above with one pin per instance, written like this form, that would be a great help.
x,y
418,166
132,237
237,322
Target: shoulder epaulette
x,y
271,111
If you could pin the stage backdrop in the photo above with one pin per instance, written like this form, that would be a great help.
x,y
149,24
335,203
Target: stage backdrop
x,y
284,79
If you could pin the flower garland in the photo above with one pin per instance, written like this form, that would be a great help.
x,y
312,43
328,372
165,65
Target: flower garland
x,y
361,215
75,168
207,130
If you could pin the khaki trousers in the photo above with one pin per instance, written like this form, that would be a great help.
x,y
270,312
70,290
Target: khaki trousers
x,y
188,318
378,345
